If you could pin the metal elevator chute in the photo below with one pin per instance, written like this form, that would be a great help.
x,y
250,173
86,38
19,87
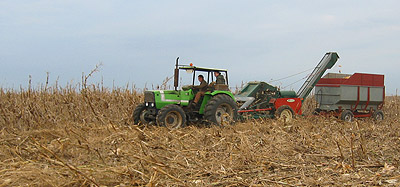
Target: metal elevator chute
x,y
327,62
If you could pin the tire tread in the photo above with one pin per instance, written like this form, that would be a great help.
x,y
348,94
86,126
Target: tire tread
x,y
136,112
210,108
164,111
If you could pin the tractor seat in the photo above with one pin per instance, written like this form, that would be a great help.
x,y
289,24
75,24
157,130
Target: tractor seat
x,y
222,87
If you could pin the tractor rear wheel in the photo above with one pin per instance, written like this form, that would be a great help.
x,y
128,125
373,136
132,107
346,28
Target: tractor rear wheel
x,y
347,116
378,115
172,117
221,110
285,113
141,115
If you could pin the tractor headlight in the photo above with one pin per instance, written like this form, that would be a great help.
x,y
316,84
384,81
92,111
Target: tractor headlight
x,y
152,104
147,104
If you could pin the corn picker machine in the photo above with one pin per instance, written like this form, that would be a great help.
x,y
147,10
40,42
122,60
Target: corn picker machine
x,y
219,106
260,99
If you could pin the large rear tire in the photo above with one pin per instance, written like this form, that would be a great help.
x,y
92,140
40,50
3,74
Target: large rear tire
x,y
285,114
347,116
378,115
141,115
221,110
171,117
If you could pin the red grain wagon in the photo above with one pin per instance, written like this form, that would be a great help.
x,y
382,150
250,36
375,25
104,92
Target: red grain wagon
x,y
348,96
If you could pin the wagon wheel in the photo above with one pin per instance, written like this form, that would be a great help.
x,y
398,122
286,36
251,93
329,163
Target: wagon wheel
x,y
378,115
347,116
317,111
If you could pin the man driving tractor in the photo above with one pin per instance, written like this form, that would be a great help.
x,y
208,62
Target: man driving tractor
x,y
202,89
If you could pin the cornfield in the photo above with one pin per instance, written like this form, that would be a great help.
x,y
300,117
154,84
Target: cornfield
x,y
72,136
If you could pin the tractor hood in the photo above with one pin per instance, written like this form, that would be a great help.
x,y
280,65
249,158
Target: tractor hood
x,y
166,97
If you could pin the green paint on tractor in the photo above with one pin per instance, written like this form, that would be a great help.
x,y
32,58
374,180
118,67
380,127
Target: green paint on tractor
x,y
182,98
171,108
166,97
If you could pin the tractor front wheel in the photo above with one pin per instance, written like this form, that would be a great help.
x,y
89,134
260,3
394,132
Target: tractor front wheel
x,y
172,117
141,114
221,110
285,114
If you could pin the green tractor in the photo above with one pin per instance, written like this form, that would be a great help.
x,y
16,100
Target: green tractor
x,y
173,108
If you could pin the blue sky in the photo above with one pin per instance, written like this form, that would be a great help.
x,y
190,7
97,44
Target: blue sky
x,y
138,41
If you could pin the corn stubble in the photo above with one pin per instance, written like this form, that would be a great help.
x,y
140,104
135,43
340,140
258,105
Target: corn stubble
x,y
85,137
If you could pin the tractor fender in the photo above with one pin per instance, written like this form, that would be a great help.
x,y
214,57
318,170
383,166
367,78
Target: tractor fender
x,y
217,92
209,95
293,103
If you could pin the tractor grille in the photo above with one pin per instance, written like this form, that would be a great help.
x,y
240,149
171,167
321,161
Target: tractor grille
x,y
149,97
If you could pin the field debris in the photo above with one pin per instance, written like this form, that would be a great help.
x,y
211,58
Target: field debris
x,y
65,137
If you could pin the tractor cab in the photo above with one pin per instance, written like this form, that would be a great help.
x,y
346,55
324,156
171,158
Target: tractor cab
x,y
209,77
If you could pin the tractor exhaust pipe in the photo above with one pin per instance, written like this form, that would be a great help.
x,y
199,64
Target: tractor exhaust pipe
x,y
176,75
